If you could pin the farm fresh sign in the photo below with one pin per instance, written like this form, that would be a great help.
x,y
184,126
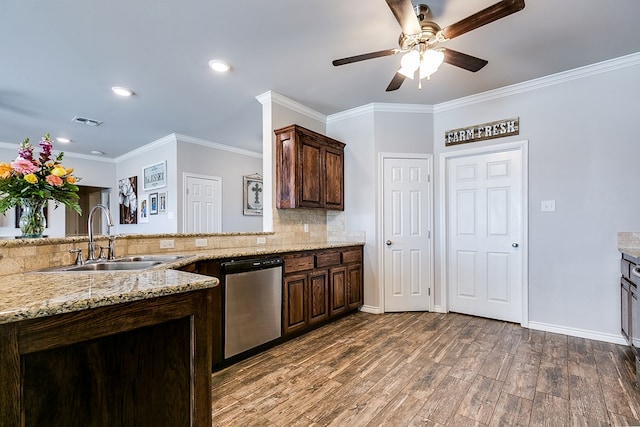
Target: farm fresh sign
x,y
482,132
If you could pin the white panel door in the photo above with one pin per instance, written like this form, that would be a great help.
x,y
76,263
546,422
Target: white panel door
x,y
203,205
406,232
485,220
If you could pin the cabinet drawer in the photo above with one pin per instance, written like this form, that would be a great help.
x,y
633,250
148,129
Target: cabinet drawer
x,y
301,263
353,255
327,259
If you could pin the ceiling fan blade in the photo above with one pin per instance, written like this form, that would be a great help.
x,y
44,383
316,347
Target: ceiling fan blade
x,y
396,82
364,56
484,17
405,15
463,60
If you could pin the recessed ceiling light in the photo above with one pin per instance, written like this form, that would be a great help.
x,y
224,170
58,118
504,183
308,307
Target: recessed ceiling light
x,y
97,153
122,91
63,140
219,65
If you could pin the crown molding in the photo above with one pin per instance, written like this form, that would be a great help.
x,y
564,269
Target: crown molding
x,y
217,146
542,82
276,98
380,107
147,147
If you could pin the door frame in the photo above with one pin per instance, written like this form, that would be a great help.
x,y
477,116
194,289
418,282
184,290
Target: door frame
x,y
186,175
523,148
382,156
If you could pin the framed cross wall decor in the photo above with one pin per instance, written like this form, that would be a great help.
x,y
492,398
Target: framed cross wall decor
x,y
252,194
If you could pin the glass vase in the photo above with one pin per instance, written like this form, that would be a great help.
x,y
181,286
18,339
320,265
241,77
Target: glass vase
x,y
32,219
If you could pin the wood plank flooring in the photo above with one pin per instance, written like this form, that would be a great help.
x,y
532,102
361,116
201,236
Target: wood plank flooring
x,y
430,369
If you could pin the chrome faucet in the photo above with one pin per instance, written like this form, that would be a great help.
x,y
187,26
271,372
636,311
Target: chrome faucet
x,y
91,253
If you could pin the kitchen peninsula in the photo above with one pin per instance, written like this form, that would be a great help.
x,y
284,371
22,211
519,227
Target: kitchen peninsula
x,y
74,342
106,348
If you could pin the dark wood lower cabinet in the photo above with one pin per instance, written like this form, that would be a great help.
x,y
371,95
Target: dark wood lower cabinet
x,y
318,297
319,286
144,363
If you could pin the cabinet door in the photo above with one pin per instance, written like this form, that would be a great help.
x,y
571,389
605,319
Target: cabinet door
x,y
294,310
311,171
334,179
624,309
354,286
338,287
318,296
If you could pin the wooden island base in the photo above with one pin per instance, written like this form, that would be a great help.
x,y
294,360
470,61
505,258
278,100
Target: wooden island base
x,y
145,363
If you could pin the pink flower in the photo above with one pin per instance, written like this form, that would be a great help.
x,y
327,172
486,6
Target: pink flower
x,y
56,181
23,166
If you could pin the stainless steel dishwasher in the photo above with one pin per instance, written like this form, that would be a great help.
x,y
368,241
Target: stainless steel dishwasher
x,y
252,303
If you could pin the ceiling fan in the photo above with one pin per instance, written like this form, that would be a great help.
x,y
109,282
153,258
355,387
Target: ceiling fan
x,y
420,37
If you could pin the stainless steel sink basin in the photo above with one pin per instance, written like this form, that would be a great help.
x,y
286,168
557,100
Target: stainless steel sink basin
x,y
114,266
127,263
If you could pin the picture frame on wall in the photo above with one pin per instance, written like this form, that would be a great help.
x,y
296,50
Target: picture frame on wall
x,y
162,202
154,176
143,209
153,204
128,200
252,190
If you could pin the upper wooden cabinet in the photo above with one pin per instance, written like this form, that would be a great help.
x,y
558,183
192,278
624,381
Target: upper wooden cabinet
x,y
309,170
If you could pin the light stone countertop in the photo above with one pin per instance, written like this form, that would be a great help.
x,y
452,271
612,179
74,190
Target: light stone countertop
x,y
40,294
629,243
33,295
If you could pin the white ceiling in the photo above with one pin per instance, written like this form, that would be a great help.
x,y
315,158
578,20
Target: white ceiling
x,y
60,59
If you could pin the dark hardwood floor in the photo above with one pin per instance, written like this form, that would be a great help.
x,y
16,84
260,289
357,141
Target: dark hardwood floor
x,y
430,369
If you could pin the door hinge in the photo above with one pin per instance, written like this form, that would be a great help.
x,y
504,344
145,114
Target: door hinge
x,y
428,234
428,178
429,289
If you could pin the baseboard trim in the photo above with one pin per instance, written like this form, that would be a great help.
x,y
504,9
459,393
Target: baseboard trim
x,y
438,309
371,309
580,333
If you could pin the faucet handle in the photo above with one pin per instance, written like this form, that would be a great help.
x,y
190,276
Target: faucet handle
x,y
101,253
79,260
112,247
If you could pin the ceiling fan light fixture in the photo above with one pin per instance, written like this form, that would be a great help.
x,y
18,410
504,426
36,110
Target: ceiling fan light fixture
x,y
431,61
409,63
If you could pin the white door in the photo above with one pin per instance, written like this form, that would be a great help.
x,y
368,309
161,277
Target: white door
x,y
202,204
406,219
485,231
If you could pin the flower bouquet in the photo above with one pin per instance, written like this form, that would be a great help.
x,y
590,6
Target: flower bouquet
x,y
31,181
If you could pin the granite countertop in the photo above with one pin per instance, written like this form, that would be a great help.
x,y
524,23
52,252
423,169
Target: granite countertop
x,y
39,294
629,243
32,295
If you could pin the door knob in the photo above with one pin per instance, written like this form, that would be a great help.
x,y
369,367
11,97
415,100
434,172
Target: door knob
x,y
515,245
388,242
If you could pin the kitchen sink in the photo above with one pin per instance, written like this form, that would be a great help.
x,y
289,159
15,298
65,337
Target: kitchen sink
x,y
127,263
113,266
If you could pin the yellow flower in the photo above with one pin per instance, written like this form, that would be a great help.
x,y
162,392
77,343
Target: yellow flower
x,y
5,170
58,171
69,171
31,178
71,179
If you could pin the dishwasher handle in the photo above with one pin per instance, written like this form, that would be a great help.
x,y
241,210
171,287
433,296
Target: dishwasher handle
x,y
245,265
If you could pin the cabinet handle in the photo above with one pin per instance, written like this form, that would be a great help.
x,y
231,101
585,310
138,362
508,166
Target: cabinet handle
x,y
635,272
388,242
515,245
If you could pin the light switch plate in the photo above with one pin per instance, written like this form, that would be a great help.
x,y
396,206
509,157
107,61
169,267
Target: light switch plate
x,y
548,206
